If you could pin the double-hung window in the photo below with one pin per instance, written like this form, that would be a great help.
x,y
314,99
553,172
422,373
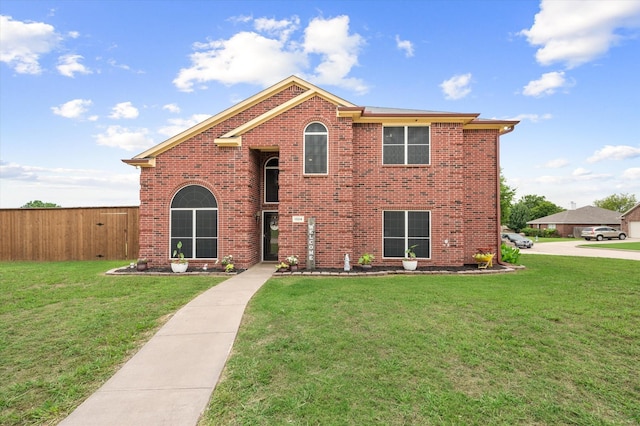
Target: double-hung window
x,y
404,229
405,145
316,151
194,222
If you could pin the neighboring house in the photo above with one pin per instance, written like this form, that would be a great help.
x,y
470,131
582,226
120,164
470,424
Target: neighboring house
x,y
296,170
631,222
571,222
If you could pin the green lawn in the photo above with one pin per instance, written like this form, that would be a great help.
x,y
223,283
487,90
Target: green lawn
x,y
615,246
555,344
66,328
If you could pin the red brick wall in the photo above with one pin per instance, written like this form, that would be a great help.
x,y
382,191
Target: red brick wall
x,y
458,187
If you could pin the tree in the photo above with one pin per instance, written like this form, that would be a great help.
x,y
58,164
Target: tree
x,y
506,198
539,206
617,202
518,216
37,204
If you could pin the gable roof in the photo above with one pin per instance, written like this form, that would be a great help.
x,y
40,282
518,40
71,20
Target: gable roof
x,y
630,210
588,215
344,109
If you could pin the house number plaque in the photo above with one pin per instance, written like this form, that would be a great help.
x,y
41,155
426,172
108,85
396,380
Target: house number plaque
x,y
311,243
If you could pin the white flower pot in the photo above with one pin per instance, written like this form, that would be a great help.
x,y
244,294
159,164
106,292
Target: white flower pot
x,y
410,265
179,267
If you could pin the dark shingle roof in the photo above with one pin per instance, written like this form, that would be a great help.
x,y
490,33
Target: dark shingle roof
x,y
588,215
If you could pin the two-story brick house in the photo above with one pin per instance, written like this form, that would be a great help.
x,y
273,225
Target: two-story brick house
x,y
296,170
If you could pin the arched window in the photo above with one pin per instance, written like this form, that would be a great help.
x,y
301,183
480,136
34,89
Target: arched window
x,y
316,152
194,221
271,173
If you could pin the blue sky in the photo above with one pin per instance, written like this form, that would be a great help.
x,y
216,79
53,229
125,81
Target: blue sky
x,y
84,84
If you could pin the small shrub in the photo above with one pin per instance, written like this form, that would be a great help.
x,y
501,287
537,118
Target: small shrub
x,y
510,254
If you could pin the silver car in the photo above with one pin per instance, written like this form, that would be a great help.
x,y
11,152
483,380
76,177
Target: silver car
x,y
601,232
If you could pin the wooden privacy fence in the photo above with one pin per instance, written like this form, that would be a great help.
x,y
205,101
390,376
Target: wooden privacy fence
x,y
86,233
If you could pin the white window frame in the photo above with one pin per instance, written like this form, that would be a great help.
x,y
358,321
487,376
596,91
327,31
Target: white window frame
x,y
304,148
406,145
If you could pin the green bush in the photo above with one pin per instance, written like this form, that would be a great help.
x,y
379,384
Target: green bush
x,y
510,254
535,232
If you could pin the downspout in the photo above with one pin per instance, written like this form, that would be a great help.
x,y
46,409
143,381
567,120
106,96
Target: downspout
x,y
498,209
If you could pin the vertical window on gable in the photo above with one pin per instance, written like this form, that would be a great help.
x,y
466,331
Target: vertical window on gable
x,y
194,221
405,145
403,229
316,152
271,174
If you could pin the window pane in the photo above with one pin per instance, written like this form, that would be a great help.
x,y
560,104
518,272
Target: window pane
x,y
394,224
194,196
393,135
393,247
418,224
206,223
316,128
418,154
181,223
417,135
271,185
206,248
422,250
393,154
315,154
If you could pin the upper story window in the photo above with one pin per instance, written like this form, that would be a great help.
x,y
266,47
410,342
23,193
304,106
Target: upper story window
x,y
194,221
316,152
405,145
271,174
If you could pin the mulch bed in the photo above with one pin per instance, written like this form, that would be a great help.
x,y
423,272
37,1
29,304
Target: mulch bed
x,y
355,270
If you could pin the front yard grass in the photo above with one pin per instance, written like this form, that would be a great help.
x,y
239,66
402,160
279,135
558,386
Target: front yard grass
x,y
555,344
66,328
628,245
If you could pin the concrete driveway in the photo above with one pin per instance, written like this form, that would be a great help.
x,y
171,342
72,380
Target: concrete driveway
x,y
570,248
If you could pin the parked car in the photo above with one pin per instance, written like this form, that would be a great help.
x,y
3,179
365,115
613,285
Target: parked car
x,y
518,240
601,232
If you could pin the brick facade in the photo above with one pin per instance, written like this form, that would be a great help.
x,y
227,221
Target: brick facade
x,y
459,186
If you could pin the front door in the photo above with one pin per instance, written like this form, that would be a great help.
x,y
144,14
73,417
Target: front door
x,y
270,236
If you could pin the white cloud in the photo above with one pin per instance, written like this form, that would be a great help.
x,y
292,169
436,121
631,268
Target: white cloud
x,y
546,85
177,125
618,152
72,109
120,137
554,164
534,118
22,44
12,171
632,174
172,108
268,54
124,110
581,172
457,87
576,32
68,65
405,45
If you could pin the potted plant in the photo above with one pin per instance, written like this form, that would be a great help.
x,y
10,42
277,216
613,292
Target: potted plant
x,y
293,262
179,264
142,264
282,267
484,257
410,263
227,262
365,260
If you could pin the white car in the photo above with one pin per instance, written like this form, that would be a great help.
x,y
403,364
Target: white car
x,y
601,232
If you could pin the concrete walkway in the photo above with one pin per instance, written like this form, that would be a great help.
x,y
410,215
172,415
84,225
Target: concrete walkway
x,y
570,248
170,380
